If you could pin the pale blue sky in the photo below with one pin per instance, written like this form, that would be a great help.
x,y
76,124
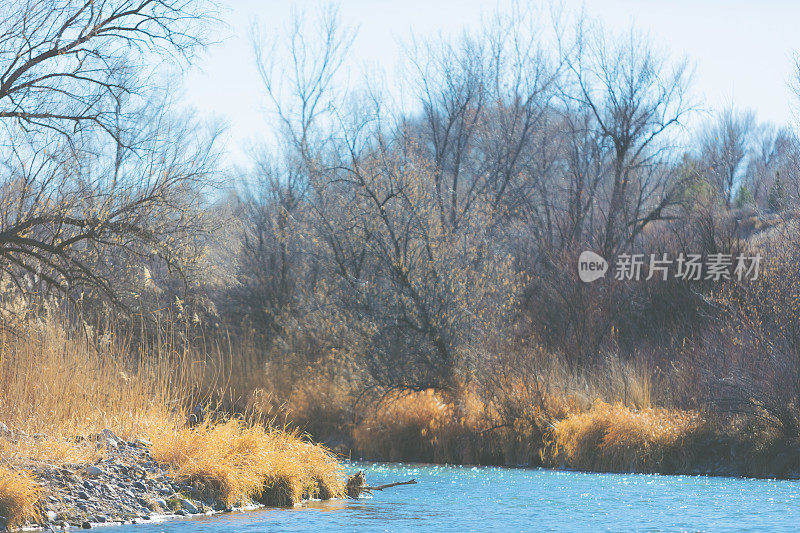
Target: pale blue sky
x,y
742,50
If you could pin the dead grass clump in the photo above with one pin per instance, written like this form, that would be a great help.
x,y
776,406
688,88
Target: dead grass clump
x,y
281,489
19,497
412,426
616,438
239,464
463,427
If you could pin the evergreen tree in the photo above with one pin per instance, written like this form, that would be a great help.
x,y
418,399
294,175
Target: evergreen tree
x,y
776,201
743,197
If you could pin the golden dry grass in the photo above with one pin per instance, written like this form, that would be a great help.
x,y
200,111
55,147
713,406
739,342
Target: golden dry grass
x,y
240,463
614,437
464,427
19,497
407,426
65,381
61,382
505,419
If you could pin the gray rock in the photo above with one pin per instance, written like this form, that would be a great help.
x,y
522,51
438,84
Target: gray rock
x,y
108,434
93,471
188,506
51,516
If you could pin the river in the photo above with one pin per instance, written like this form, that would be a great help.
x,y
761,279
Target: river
x,y
458,499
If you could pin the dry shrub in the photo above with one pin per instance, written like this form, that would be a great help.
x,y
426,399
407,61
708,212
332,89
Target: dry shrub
x,y
464,427
502,417
616,438
631,382
19,497
308,375
411,426
527,390
322,403
238,463
750,358
520,413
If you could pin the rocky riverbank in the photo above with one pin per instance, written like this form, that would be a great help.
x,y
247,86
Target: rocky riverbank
x,y
126,485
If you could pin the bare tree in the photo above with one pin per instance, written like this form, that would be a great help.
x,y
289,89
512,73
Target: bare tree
x,y
302,87
81,218
420,274
776,154
97,169
274,257
65,64
638,99
482,98
725,150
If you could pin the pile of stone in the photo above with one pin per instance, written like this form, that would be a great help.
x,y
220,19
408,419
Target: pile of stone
x,y
127,486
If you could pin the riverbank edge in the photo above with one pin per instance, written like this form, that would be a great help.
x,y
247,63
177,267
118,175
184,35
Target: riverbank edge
x,y
127,486
604,438
159,518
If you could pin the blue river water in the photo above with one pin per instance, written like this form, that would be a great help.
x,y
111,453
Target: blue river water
x,y
460,498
